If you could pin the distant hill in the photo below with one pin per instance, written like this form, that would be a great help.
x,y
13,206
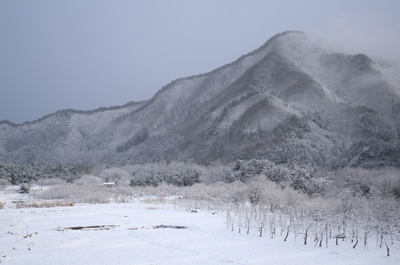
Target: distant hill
x,y
291,100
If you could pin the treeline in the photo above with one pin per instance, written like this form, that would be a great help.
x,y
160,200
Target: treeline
x,y
306,179
16,174
186,174
303,178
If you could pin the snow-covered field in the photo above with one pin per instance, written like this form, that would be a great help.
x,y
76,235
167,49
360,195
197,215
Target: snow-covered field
x,y
130,236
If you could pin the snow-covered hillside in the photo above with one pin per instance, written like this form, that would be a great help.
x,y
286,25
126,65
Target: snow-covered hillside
x,y
294,99
67,135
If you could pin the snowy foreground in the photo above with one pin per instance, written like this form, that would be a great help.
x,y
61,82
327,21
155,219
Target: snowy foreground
x,y
143,233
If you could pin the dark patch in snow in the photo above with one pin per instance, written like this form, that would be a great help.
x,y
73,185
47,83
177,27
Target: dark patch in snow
x,y
169,226
89,227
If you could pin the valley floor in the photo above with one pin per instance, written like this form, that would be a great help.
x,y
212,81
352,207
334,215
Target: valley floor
x,y
143,233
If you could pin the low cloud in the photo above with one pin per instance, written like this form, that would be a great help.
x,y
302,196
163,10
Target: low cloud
x,y
375,34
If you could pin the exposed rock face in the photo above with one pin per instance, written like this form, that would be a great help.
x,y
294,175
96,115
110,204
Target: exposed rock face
x,y
291,100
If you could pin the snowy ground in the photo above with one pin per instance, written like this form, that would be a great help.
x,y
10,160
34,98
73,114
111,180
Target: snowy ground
x,y
38,236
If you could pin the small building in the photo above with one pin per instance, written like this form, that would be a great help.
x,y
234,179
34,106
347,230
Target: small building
x,y
109,184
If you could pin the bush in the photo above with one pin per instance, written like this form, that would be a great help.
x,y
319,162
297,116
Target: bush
x,y
25,188
1,205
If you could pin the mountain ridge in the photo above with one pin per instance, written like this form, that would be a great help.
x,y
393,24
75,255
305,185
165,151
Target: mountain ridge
x,y
71,111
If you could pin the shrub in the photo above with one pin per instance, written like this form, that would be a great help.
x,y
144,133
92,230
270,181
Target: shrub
x,y
25,188
1,205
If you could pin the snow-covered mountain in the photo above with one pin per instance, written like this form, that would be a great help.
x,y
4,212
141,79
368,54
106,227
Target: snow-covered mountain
x,y
291,100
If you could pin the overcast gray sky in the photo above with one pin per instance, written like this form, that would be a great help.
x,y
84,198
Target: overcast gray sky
x,y
89,54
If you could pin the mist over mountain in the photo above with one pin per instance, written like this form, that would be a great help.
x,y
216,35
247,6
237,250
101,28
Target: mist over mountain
x,y
291,100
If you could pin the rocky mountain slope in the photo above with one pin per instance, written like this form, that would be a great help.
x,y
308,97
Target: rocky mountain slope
x,y
291,100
